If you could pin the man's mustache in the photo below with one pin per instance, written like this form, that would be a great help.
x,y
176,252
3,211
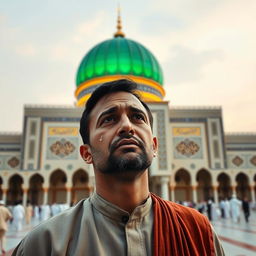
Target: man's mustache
x,y
113,146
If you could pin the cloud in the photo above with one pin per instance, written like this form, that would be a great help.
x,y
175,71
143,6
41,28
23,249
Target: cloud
x,y
206,49
28,50
187,65
90,28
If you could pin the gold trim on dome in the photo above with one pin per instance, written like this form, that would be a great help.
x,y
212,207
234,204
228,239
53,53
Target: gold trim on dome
x,y
145,96
104,79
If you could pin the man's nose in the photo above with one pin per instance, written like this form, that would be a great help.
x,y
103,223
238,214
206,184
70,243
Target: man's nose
x,y
126,126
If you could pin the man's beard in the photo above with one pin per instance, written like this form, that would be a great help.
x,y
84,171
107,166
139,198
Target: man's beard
x,y
119,164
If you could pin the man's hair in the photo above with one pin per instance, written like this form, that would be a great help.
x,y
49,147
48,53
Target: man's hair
x,y
122,85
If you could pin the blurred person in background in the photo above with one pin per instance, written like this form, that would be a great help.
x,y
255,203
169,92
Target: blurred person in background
x,y
5,216
18,216
246,209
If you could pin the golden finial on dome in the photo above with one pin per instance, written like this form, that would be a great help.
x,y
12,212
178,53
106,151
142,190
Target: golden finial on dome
x,y
119,32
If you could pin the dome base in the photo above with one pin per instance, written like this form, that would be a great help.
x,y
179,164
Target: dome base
x,y
148,89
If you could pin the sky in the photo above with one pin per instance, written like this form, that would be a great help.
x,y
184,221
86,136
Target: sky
x,y
206,49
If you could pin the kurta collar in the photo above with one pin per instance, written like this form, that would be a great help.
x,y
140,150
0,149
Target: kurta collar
x,y
114,212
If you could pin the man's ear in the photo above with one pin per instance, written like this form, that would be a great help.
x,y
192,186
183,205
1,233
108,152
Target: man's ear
x,y
85,153
155,145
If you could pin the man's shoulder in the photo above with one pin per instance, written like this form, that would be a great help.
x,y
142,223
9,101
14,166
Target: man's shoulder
x,y
65,218
55,232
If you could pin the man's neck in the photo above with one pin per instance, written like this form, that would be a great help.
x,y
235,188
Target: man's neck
x,y
127,194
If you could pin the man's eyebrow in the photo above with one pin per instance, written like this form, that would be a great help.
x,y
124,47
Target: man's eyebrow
x,y
107,112
138,110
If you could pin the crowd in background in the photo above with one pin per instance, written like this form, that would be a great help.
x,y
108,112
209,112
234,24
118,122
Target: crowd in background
x,y
231,208
18,215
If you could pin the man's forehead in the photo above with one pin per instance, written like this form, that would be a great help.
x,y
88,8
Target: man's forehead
x,y
118,99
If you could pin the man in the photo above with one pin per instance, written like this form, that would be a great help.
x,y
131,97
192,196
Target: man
x,y
227,208
235,208
121,217
18,215
28,213
246,209
5,216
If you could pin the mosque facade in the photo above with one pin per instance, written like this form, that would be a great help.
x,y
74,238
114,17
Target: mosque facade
x,y
196,159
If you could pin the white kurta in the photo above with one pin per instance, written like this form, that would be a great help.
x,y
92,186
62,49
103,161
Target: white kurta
x,y
235,208
18,216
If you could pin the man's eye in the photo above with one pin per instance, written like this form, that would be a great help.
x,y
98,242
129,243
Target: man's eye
x,y
108,119
139,117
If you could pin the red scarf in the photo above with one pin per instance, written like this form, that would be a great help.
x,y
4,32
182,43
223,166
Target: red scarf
x,y
180,231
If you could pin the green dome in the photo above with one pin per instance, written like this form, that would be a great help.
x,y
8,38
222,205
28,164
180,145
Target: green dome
x,y
119,56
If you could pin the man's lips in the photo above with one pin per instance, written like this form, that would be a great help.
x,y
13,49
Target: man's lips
x,y
127,142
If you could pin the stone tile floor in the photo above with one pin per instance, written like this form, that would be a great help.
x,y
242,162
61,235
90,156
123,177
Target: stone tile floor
x,y
238,239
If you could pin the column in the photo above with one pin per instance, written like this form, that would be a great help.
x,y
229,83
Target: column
x,y
194,194
165,187
233,188
252,193
215,194
172,193
4,197
25,197
45,200
91,190
68,201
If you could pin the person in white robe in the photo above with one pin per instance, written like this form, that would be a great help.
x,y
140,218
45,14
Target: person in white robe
x,y
55,209
45,212
227,208
235,207
18,216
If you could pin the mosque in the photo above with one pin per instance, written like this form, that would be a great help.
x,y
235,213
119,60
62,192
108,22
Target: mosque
x,y
196,159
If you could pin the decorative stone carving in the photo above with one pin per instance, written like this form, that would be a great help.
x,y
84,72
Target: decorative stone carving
x,y
13,162
237,161
253,160
187,147
162,149
62,148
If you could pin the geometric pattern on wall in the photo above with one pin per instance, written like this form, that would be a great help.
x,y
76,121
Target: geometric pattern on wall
x,y
62,148
162,147
185,148
253,160
237,160
9,162
13,162
241,160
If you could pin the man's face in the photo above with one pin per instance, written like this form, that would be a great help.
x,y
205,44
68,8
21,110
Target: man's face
x,y
120,135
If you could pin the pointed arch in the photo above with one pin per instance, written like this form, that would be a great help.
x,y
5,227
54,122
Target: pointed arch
x,y
57,189
15,191
35,191
242,186
204,185
80,188
183,189
224,188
